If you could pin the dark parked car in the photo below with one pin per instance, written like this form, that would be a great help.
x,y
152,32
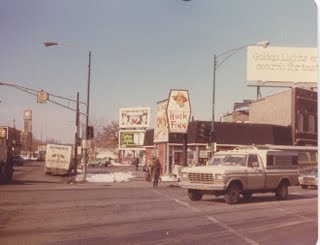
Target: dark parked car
x,y
101,162
17,160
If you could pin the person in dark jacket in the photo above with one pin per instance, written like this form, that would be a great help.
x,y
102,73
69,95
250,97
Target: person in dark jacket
x,y
136,162
156,171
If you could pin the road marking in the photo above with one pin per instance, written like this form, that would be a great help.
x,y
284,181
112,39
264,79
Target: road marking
x,y
211,218
297,215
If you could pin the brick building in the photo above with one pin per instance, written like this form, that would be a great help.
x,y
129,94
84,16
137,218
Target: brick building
x,y
296,107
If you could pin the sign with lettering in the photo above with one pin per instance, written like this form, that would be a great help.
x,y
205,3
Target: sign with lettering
x,y
282,64
161,132
178,111
134,117
131,139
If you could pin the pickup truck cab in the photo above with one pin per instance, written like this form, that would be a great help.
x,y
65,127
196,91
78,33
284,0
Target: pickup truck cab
x,y
245,170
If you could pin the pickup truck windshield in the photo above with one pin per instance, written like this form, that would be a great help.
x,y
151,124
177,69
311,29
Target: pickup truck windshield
x,y
228,159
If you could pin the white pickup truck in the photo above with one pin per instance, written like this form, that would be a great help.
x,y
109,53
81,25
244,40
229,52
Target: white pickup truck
x,y
245,171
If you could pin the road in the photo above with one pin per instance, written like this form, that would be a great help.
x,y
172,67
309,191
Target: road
x,y
40,209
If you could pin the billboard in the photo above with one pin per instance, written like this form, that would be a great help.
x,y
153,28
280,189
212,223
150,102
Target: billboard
x,y
161,131
178,111
282,64
131,139
134,117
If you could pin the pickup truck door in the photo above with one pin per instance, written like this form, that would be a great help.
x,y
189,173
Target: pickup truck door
x,y
256,173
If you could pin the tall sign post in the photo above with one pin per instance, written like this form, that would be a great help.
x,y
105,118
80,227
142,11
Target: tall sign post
x,y
178,115
133,122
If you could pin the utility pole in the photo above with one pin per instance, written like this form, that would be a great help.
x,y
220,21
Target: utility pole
x,y
76,138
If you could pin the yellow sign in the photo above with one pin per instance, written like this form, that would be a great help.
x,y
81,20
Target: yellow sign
x,y
2,133
42,97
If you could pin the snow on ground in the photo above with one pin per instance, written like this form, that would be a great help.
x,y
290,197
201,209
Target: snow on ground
x,y
115,176
110,177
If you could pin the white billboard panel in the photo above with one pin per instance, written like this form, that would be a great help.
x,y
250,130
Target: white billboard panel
x,y
178,111
134,117
282,64
161,131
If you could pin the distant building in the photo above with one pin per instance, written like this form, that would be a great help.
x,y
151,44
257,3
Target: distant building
x,y
296,107
239,114
13,137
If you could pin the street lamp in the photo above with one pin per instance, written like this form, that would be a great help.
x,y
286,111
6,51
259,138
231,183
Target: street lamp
x,y
216,64
85,155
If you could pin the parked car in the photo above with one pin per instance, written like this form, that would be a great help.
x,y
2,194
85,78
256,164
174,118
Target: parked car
x,y
17,160
309,179
101,162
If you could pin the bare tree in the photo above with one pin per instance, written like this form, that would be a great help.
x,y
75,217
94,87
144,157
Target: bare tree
x,y
107,136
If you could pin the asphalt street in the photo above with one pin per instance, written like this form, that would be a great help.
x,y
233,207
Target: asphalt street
x,y
40,209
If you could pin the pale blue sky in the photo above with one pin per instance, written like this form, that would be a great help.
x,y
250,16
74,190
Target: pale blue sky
x,y
140,50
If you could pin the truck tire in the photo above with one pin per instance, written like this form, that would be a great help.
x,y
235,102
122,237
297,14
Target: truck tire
x,y
282,191
194,195
247,195
233,194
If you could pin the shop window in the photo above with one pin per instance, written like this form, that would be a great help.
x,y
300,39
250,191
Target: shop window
x,y
311,124
300,122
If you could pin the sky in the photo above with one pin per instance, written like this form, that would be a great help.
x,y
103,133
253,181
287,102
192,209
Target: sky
x,y
140,50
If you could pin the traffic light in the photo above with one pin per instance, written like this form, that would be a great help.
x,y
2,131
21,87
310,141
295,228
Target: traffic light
x,y
90,132
203,132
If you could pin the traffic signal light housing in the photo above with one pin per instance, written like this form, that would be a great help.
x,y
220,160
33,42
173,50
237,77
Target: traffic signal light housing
x,y
203,131
90,132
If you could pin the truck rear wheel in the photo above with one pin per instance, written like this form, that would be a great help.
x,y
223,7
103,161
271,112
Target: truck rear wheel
x,y
232,195
282,191
247,195
194,195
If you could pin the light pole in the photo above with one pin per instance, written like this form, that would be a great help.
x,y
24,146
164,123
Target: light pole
x,y
85,155
216,63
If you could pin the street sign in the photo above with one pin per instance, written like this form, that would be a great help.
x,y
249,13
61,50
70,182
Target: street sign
x,y
42,97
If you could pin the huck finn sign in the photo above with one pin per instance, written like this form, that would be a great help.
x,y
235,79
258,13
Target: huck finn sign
x,y
178,111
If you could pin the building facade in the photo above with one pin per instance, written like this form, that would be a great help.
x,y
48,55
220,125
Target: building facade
x,y
296,107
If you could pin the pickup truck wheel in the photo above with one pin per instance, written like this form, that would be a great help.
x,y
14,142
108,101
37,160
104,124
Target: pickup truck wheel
x,y
232,195
304,186
247,195
194,195
282,191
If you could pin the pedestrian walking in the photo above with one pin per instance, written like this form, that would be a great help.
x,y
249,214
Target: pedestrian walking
x,y
136,162
156,171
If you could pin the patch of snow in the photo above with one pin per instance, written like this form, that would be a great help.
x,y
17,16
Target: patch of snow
x,y
110,177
